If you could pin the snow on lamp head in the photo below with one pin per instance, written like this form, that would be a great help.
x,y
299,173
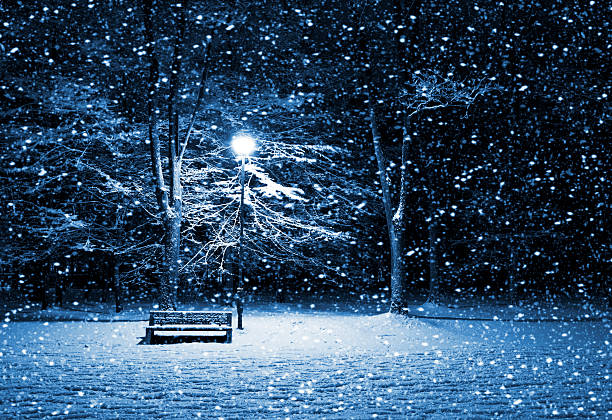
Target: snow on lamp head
x,y
243,145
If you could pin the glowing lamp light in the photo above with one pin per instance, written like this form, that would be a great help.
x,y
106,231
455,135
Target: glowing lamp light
x,y
243,144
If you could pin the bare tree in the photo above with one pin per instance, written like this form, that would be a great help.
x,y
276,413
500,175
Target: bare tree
x,y
168,189
426,91
283,220
298,198
430,91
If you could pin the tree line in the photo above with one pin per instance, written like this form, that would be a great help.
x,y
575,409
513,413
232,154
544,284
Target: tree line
x,y
473,136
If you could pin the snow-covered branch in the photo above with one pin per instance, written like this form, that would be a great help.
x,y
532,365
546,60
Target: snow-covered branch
x,y
428,90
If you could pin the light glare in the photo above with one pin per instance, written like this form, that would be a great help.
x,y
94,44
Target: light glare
x,y
243,144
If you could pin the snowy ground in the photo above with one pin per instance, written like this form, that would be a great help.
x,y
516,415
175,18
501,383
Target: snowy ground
x,y
294,362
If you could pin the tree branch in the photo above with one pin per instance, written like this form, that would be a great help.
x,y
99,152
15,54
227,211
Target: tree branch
x,y
154,145
203,79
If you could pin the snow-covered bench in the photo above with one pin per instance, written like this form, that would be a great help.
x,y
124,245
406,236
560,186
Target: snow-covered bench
x,y
189,321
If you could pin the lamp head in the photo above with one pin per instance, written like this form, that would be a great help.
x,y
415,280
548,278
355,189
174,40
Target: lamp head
x,y
243,145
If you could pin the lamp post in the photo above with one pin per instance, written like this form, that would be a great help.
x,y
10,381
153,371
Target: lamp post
x,y
243,145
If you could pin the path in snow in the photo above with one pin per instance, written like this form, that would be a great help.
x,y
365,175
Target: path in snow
x,y
304,365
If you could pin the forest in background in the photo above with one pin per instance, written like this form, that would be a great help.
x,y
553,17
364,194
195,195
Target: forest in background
x,y
478,133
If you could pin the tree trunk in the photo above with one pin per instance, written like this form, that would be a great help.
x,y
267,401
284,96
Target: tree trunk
x,y
432,228
117,286
59,288
172,221
433,260
169,281
398,271
44,302
510,289
174,212
169,199
105,278
394,225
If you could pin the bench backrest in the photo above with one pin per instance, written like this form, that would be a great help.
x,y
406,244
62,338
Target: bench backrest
x,y
190,318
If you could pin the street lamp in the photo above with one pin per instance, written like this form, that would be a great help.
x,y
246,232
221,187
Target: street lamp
x,y
243,146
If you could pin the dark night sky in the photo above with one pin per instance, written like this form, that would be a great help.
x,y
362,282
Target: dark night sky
x,y
516,183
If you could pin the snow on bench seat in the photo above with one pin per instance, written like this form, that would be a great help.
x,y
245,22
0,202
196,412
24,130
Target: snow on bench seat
x,y
189,321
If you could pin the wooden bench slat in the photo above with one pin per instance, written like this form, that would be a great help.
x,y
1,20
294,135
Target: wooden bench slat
x,y
189,321
190,317
189,327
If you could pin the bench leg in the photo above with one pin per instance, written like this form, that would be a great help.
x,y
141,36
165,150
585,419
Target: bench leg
x,y
149,336
228,337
